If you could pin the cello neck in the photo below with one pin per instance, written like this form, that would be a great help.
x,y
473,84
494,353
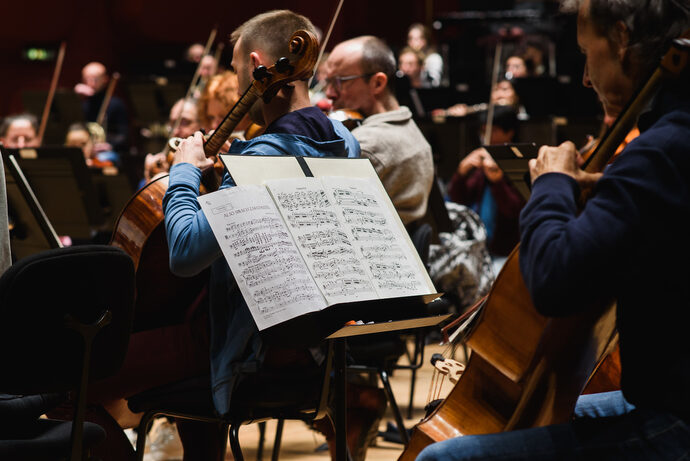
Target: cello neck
x,y
221,134
671,66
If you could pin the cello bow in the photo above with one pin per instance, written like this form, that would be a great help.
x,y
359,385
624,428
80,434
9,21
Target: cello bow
x,y
519,356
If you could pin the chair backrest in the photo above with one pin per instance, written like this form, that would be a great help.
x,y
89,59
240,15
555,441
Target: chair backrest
x,y
38,351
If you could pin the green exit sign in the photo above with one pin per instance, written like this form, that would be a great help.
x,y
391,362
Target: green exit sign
x,y
39,53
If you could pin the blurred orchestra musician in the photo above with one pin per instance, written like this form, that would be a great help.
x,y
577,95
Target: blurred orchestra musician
x,y
183,121
419,38
18,131
92,88
410,63
480,184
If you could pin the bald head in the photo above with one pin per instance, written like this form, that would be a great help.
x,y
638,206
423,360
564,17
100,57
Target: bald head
x,y
94,76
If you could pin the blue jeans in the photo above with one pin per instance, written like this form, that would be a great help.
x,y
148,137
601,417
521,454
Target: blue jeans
x,y
604,427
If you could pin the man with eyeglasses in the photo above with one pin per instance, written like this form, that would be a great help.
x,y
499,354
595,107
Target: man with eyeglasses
x,y
360,77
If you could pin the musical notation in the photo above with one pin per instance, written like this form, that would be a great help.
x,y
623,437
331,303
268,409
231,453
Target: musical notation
x,y
303,199
348,197
323,253
371,233
347,287
354,216
291,291
313,218
318,239
383,252
394,271
262,255
337,268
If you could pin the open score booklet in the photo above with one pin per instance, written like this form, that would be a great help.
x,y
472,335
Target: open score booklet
x,y
299,245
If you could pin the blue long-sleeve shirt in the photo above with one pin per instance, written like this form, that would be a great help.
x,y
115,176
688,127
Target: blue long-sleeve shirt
x,y
193,247
627,243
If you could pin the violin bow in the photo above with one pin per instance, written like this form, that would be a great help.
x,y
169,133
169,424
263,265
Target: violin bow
x,y
494,80
108,96
193,84
326,38
51,92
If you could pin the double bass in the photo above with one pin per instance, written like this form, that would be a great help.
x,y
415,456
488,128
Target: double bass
x,y
140,229
527,370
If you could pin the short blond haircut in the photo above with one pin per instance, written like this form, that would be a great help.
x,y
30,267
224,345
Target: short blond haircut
x,y
271,32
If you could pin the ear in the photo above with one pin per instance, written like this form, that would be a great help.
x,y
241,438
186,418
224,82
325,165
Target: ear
x,y
255,59
622,38
378,82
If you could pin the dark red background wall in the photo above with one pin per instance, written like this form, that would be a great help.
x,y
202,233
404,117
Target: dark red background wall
x,y
122,32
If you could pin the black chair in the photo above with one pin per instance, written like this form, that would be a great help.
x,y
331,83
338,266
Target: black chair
x,y
66,319
261,395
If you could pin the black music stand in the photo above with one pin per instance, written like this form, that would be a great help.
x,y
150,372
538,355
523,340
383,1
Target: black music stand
x,y
30,230
514,159
65,110
113,190
379,316
62,183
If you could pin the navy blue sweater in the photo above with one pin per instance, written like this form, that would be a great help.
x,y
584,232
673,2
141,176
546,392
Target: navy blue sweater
x,y
631,241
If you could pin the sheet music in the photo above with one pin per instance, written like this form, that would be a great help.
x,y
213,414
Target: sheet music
x,y
348,238
271,274
377,237
327,247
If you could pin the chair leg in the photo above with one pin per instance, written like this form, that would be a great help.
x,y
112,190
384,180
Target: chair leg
x,y
278,439
234,436
142,432
418,359
262,441
394,406
225,428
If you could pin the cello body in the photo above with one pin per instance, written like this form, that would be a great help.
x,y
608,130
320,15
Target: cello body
x,y
140,231
525,370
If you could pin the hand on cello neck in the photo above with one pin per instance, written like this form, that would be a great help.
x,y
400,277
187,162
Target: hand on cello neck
x,y
191,150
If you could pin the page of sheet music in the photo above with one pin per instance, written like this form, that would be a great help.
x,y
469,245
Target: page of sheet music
x,y
392,262
327,247
270,272
347,238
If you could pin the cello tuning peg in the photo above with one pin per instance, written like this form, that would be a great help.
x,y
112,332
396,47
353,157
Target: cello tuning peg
x,y
283,65
261,73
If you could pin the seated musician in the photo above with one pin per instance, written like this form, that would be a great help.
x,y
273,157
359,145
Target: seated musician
x,y
18,131
293,127
182,122
78,135
622,244
360,77
480,184
219,96
93,89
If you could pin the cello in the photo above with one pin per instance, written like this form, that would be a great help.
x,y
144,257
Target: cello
x,y
527,370
140,229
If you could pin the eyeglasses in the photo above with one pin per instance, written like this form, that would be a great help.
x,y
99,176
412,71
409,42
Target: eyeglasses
x,y
337,82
